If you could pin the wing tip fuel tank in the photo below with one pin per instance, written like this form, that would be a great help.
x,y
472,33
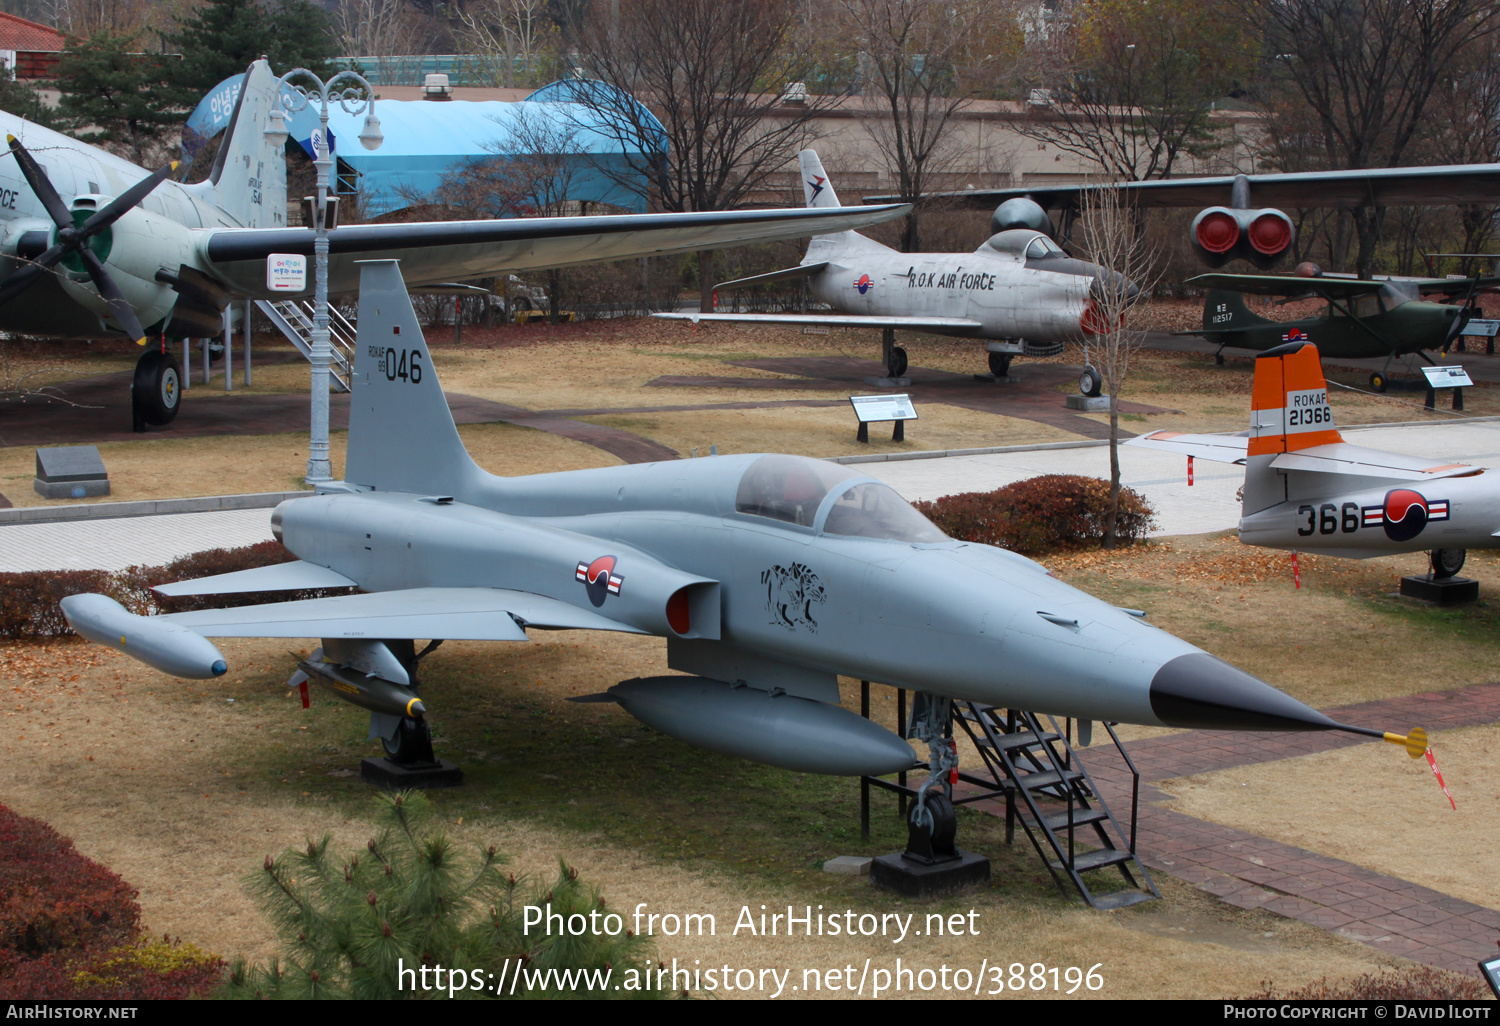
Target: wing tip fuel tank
x,y
167,646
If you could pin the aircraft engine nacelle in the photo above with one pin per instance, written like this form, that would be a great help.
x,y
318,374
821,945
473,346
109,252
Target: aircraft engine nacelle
x,y
134,248
1021,212
1222,234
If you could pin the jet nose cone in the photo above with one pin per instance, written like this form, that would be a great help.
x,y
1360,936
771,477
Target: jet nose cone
x,y
1199,691
1114,288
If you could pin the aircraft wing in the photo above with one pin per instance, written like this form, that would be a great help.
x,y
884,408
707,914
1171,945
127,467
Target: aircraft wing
x,y
1218,448
835,320
1446,185
1356,460
439,252
1288,285
458,614
294,576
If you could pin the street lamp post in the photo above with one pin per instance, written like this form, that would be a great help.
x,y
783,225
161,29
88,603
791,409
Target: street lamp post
x,y
356,96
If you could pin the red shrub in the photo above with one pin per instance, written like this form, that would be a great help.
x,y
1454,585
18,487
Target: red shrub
x,y
68,927
1040,515
28,601
51,897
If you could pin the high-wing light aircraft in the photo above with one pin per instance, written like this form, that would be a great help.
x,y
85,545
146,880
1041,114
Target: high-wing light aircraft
x,y
1307,489
145,257
1018,290
768,575
1364,318
1261,234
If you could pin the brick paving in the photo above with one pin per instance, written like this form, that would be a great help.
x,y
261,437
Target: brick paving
x,y
1248,871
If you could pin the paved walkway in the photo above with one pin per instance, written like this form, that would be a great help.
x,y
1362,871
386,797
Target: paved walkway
x,y
114,544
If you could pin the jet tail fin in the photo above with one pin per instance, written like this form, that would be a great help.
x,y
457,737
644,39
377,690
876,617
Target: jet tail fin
x,y
1289,411
401,433
817,190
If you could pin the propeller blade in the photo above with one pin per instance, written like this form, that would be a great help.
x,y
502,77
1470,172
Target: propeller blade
x,y
21,278
1461,319
41,185
126,200
119,307
19,281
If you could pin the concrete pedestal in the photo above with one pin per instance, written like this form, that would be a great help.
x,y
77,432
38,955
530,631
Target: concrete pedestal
x,y
1087,403
888,382
394,777
1444,591
897,873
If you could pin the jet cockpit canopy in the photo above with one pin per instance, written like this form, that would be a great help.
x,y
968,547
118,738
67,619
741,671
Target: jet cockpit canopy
x,y
836,500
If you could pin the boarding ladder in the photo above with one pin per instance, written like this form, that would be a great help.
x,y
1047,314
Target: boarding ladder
x,y
295,320
1048,791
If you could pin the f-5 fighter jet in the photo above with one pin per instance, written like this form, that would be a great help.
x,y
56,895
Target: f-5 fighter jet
x,y
768,575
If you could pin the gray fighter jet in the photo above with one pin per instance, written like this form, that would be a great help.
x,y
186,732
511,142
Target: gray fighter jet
x,y
769,576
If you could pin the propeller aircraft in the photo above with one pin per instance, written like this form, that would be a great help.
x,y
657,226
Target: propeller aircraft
x,y
92,246
1018,290
1364,318
768,575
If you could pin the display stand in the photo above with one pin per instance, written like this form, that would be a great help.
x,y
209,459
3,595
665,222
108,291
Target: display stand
x,y
880,408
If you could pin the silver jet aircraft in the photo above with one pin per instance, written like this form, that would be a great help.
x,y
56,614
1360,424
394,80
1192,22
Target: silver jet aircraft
x,y
768,575
1018,290
91,246
1307,489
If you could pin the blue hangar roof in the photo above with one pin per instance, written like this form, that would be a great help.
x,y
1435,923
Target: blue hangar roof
x,y
427,140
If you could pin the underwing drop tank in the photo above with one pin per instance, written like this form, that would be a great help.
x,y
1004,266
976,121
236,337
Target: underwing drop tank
x,y
774,728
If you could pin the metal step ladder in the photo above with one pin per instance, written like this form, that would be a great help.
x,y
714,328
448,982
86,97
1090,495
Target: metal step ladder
x,y
294,319
1049,792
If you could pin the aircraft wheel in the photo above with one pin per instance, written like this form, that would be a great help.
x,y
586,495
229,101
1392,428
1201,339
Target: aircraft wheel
x,y
1090,383
1378,382
156,391
1447,562
1000,364
897,366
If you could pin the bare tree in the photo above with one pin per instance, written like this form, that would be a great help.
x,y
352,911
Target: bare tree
x,y
377,28
1132,86
514,40
713,123
1110,235
1368,70
921,63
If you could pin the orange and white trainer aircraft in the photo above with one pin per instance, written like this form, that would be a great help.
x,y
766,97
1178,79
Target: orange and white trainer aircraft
x,y
1307,489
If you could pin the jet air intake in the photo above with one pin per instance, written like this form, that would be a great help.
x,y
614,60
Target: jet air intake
x,y
1222,234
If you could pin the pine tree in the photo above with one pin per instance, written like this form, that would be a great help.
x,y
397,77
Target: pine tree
x,y
414,900
112,95
223,37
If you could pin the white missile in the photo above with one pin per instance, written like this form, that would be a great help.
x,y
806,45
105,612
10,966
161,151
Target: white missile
x,y
169,647
778,729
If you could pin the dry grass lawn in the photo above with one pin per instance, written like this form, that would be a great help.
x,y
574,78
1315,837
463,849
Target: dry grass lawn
x,y
183,792
1379,809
